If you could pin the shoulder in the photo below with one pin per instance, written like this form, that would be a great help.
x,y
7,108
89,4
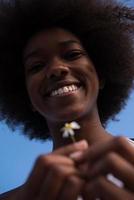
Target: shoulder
x,y
10,194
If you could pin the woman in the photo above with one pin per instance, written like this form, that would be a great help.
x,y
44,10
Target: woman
x,y
69,63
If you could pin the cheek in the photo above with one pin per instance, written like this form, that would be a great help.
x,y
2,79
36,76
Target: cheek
x,y
95,85
32,89
91,76
94,77
92,84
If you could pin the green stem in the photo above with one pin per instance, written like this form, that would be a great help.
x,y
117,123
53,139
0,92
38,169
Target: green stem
x,y
73,138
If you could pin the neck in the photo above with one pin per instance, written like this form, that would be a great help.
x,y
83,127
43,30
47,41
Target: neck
x,y
91,130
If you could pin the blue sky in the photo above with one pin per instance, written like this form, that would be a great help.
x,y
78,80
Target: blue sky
x,y
17,153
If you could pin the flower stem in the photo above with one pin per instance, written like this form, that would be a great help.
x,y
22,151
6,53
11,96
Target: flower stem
x,y
73,138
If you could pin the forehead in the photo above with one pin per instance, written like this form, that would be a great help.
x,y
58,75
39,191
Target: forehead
x,y
50,38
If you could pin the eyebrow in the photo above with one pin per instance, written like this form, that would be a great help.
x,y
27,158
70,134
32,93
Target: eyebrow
x,y
62,43
68,42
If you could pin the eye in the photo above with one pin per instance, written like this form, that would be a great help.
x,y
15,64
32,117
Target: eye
x,y
74,54
36,67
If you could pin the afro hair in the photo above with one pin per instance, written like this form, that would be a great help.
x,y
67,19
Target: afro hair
x,y
106,30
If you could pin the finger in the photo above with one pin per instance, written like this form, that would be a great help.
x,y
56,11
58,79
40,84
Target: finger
x,y
71,189
114,164
67,150
52,184
103,189
117,144
42,165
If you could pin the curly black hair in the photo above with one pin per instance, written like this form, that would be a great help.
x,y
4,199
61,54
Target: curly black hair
x,y
106,30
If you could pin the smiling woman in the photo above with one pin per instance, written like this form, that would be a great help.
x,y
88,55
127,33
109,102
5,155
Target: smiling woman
x,y
57,81
70,63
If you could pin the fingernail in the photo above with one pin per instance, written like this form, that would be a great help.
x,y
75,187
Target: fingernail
x,y
82,144
76,156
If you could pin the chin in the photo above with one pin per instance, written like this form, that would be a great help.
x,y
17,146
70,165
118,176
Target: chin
x,y
71,115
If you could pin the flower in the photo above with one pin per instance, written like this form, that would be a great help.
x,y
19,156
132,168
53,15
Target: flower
x,y
68,130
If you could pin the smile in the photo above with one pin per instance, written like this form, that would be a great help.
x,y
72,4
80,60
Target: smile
x,y
64,90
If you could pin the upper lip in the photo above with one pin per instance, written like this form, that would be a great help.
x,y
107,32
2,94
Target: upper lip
x,y
60,84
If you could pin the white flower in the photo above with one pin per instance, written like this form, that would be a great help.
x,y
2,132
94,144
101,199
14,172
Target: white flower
x,y
68,129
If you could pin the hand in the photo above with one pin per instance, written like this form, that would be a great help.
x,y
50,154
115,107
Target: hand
x,y
114,157
54,176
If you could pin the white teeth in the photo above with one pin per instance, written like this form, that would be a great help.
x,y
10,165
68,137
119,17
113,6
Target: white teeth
x,y
60,91
70,88
64,90
74,87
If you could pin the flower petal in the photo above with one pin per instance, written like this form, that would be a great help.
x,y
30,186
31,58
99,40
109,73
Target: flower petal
x,y
71,132
65,134
75,125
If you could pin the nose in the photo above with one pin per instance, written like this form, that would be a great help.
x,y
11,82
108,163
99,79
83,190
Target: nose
x,y
57,69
